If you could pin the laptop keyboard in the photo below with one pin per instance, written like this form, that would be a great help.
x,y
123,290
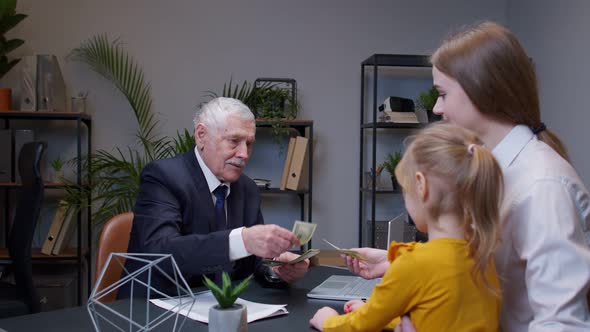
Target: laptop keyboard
x,y
359,288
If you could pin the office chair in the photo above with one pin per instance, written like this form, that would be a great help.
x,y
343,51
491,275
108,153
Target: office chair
x,y
22,298
114,238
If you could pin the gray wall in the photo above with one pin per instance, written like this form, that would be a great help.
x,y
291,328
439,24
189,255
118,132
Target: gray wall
x,y
556,36
188,47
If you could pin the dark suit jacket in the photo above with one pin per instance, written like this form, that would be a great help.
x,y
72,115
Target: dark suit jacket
x,y
174,214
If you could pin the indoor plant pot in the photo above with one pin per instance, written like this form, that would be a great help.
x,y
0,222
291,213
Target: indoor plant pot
x,y
227,316
229,319
390,163
5,99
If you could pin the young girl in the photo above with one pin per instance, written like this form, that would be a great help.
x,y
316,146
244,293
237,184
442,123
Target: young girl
x,y
452,188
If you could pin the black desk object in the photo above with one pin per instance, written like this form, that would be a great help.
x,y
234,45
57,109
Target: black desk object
x,y
300,308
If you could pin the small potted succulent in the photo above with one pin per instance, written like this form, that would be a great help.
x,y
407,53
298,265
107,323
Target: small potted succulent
x,y
390,163
227,316
57,165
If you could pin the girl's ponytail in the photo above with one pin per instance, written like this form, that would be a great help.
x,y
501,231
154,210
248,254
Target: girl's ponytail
x,y
481,194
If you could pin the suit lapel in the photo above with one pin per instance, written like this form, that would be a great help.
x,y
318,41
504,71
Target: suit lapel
x,y
203,199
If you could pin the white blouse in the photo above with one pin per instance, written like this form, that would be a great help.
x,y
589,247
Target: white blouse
x,y
544,258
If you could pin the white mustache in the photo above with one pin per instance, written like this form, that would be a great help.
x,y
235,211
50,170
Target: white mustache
x,y
236,162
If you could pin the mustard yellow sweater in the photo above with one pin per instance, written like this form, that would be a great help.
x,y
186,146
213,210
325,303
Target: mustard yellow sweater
x,y
431,282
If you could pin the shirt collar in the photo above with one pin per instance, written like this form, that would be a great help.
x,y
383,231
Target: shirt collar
x,y
512,144
212,181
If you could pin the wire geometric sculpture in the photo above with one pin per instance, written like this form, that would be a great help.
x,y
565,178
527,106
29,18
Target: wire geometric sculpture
x,y
122,316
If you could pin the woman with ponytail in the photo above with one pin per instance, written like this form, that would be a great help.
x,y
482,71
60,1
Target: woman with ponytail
x,y
487,83
452,189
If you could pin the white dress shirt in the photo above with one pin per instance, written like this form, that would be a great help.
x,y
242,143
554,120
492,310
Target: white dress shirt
x,y
237,249
544,259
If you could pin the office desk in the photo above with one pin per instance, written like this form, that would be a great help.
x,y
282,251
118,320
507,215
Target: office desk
x,y
301,309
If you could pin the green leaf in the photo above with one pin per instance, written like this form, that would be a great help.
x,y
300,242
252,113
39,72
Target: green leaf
x,y
7,7
226,296
9,22
241,287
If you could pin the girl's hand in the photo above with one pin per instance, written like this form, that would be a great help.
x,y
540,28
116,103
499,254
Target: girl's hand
x,y
320,317
353,305
405,325
374,268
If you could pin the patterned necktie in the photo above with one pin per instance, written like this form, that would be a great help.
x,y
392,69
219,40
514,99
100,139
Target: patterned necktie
x,y
219,193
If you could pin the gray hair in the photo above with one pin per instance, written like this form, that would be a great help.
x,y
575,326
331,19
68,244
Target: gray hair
x,y
215,112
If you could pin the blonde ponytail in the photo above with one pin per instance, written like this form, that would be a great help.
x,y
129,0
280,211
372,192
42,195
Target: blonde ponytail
x,y
481,194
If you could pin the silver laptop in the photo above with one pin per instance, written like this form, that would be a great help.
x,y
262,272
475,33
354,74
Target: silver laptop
x,y
352,287
344,288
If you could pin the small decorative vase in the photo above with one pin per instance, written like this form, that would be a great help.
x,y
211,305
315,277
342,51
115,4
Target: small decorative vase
x,y
232,319
56,176
5,99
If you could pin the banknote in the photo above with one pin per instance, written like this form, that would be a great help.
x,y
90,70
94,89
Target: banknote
x,y
308,254
348,252
303,230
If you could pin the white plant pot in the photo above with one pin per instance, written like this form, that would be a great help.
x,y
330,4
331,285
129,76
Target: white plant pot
x,y
232,319
56,176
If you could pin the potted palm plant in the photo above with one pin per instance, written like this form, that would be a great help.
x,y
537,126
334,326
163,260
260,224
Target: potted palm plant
x,y
227,316
8,20
115,175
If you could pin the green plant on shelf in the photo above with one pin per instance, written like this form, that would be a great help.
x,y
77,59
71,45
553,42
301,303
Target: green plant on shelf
x,y
391,161
226,295
57,164
427,99
268,101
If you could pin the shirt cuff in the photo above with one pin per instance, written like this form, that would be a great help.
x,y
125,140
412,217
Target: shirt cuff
x,y
237,249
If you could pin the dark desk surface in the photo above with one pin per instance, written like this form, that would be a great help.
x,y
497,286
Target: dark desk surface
x,y
301,309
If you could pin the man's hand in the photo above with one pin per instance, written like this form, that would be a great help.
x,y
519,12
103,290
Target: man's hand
x,y
290,273
375,267
268,241
320,317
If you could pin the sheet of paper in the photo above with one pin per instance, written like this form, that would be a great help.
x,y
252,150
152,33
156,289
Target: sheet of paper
x,y
204,301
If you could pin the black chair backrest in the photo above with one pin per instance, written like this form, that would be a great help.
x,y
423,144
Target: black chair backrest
x,y
25,220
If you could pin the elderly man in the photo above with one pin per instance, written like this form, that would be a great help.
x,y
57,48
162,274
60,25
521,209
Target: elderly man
x,y
199,207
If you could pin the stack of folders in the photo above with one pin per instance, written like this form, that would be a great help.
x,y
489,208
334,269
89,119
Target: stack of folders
x,y
59,232
296,167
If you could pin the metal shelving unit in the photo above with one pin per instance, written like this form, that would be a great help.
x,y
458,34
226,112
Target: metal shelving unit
x,y
372,128
303,128
81,254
